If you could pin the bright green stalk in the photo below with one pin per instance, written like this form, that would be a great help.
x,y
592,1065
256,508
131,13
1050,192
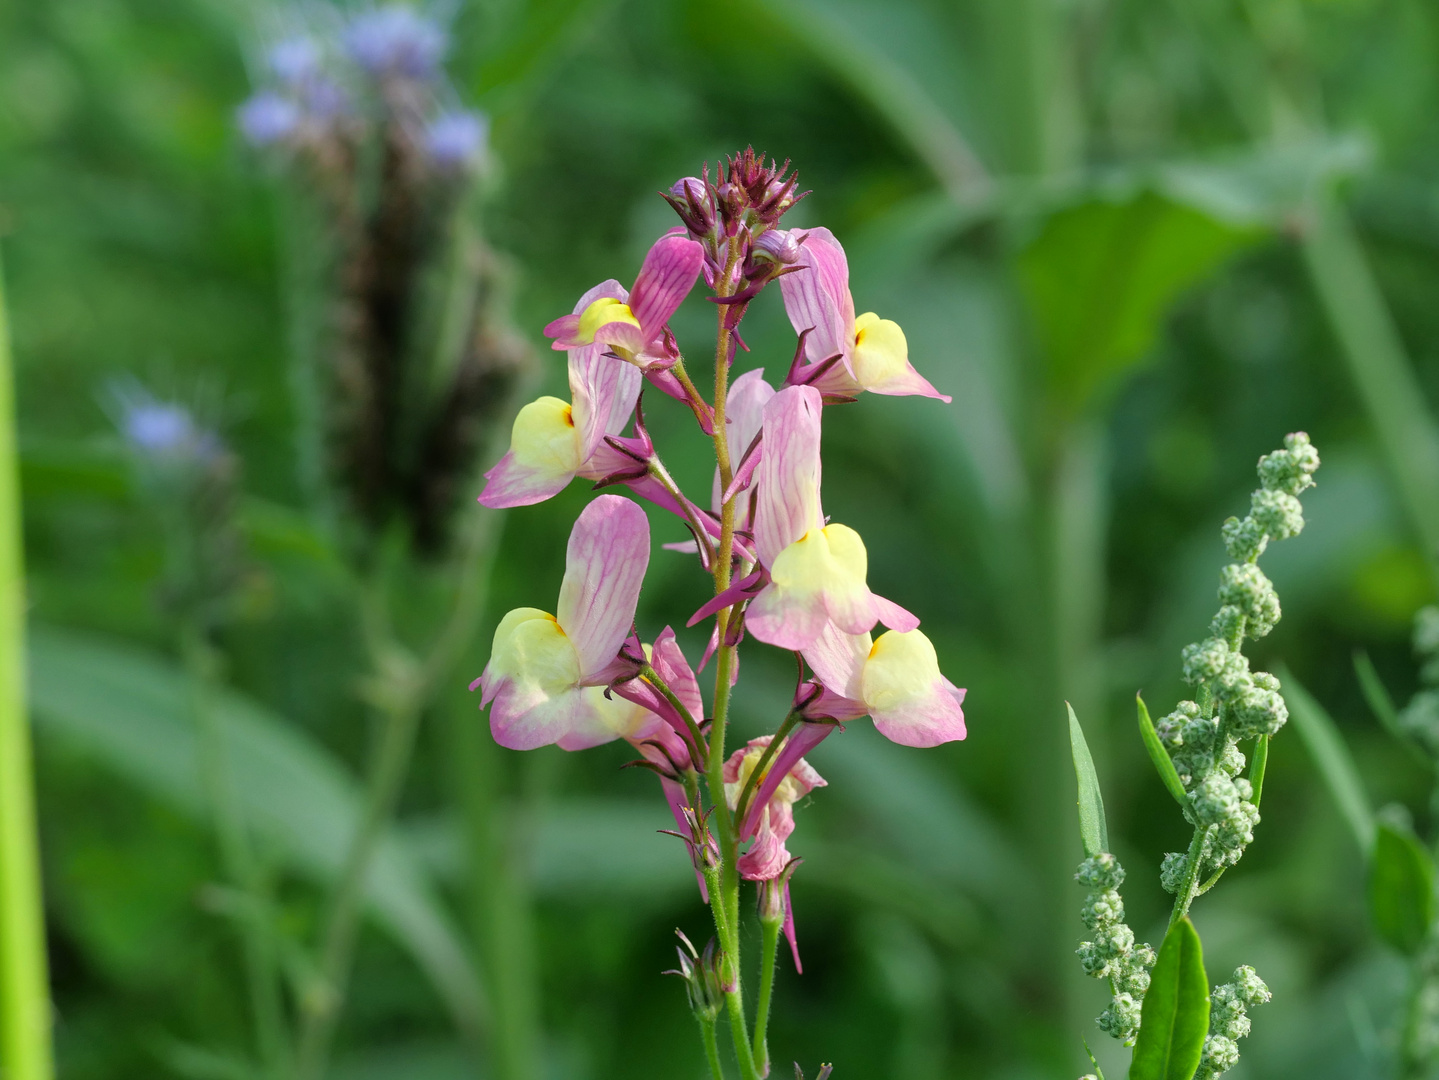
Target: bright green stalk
x,y
707,1033
769,948
24,981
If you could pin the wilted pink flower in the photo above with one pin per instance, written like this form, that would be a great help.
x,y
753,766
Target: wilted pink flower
x,y
895,679
772,818
817,572
552,441
632,324
545,682
872,352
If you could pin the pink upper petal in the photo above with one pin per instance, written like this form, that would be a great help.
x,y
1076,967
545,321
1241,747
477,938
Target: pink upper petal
x,y
787,480
837,660
669,272
744,414
605,564
936,718
670,665
817,298
603,388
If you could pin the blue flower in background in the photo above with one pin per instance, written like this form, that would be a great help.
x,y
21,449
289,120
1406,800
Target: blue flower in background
x,y
396,41
267,118
457,139
294,61
156,427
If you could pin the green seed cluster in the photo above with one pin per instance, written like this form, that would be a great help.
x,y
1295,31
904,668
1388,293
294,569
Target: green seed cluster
x,y
1229,1006
1235,704
1113,954
1420,718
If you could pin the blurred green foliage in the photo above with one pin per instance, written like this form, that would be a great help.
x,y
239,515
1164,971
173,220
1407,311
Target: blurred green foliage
x,y
1088,222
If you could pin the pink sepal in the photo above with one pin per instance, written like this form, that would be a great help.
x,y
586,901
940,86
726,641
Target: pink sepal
x,y
677,798
789,930
740,590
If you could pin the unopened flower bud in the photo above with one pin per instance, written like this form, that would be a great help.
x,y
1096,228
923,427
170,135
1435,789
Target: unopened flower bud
x,y
1102,909
1093,959
1220,1055
1278,513
1214,799
1115,941
776,246
1204,660
1245,586
1260,710
1244,539
1249,986
1121,1019
1292,469
1100,872
1172,871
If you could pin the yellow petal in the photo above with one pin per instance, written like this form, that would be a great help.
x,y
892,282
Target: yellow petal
x,y
544,437
531,650
880,350
602,312
624,718
901,668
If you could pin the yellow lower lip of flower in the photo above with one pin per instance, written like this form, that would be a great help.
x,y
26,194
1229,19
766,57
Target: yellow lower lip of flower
x,y
602,312
532,650
881,352
824,559
544,437
901,668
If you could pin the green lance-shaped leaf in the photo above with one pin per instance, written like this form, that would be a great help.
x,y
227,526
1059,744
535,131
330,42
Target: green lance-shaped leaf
x,y
1331,757
1175,1018
1401,885
1157,754
1093,831
1098,1072
1257,768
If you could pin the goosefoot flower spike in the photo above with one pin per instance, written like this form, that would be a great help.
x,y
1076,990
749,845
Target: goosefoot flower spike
x,y
778,570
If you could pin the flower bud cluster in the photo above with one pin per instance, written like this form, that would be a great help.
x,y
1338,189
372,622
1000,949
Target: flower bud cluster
x,y
1112,953
1229,1021
701,972
1420,718
1235,704
736,219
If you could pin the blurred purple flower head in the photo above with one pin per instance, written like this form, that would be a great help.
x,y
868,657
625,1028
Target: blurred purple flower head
x,y
457,139
155,427
267,118
294,61
396,40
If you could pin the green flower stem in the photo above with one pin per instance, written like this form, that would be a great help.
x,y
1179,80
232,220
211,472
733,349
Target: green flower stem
x,y
769,949
24,980
707,1033
237,859
1189,888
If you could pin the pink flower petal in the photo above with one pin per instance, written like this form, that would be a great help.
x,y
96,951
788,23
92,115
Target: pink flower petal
x,y
787,480
511,483
817,298
605,565
669,272
837,660
800,742
931,720
894,616
909,382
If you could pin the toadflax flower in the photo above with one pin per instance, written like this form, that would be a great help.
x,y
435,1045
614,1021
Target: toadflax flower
x,y
546,679
773,819
816,571
552,441
632,324
895,679
871,352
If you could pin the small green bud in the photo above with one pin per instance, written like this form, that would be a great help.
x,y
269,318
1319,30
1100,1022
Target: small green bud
x,y
1101,872
1220,1055
1278,513
1292,469
1244,586
1172,871
1204,660
1115,941
1230,761
1121,1019
1214,799
1227,623
1102,909
1170,728
1260,710
1244,539
1249,986
1093,959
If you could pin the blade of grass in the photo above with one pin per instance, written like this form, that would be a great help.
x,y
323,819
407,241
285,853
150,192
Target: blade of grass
x,y
1331,757
1157,754
1093,831
24,982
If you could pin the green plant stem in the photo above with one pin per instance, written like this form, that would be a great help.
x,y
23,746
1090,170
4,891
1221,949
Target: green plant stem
x,y
25,1052
1188,889
237,859
707,1034
769,949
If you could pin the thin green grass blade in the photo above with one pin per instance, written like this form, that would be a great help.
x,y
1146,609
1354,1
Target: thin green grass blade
x,y
1381,704
1257,767
1331,757
1157,754
1093,831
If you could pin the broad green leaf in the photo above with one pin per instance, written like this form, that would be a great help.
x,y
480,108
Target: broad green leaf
x,y
132,709
1401,885
1093,832
1101,276
1175,1017
1331,757
1160,756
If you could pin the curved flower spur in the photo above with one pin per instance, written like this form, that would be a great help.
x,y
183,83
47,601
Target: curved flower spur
x,y
779,569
